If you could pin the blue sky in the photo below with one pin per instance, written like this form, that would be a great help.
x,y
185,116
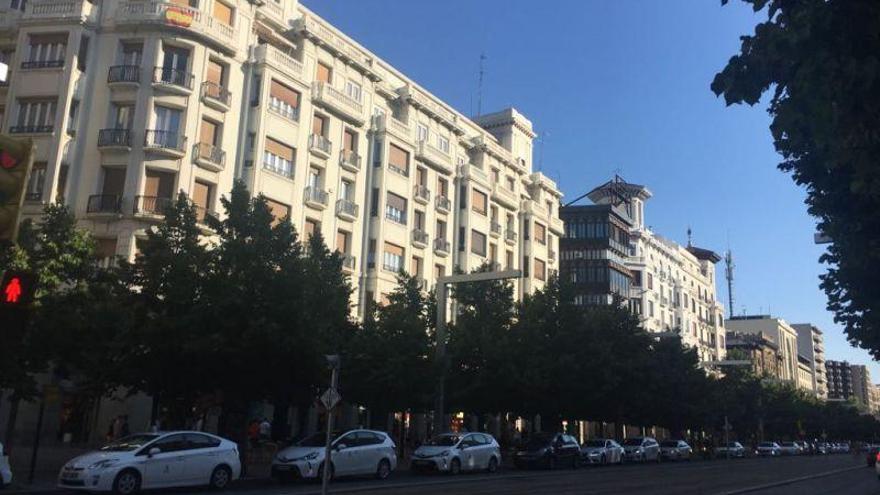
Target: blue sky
x,y
623,85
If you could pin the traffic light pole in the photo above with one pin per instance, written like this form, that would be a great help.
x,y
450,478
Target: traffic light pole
x,y
440,424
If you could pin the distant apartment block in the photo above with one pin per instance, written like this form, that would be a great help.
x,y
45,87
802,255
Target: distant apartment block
x,y
811,346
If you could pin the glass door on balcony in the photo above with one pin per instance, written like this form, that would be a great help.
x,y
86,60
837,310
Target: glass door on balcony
x,y
167,127
158,192
132,54
175,62
123,116
346,190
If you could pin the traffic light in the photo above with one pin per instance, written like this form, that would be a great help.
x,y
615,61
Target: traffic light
x,y
16,159
17,289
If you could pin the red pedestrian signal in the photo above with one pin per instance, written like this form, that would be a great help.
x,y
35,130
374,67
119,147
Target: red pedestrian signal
x,y
17,289
12,291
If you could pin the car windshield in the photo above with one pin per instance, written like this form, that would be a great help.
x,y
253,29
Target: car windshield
x,y
538,441
316,439
128,443
594,443
443,441
669,443
632,442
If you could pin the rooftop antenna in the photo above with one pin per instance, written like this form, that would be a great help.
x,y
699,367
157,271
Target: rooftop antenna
x,y
690,235
728,274
480,85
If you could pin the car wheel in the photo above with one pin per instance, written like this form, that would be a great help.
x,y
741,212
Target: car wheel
x,y
384,469
493,464
220,478
321,472
455,467
127,482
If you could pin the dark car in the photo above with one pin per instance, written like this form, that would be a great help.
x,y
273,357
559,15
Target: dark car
x,y
548,450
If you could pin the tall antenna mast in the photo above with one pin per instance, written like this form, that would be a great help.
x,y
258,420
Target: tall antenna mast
x,y
728,274
480,86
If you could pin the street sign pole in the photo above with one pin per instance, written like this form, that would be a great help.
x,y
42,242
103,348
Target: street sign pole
x,y
330,399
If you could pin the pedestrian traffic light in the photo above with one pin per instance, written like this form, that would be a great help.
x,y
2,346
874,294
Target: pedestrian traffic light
x,y
17,288
16,159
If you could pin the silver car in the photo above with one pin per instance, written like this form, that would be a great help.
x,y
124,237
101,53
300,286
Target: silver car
x,y
732,449
601,451
641,449
353,453
675,450
789,448
771,449
456,452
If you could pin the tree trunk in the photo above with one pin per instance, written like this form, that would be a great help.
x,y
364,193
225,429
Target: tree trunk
x,y
154,410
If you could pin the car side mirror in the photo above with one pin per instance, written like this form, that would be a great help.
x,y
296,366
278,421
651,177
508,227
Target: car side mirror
x,y
154,451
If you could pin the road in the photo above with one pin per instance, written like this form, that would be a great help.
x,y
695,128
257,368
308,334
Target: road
x,y
838,474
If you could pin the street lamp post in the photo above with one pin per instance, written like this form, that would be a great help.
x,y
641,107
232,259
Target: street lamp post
x,y
330,399
440,350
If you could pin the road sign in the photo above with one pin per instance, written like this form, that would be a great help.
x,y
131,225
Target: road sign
x,y
330,398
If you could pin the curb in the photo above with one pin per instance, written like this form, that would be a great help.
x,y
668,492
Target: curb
x,y
791,481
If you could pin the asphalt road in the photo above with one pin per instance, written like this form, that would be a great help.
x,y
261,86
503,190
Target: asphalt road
x,y
827,475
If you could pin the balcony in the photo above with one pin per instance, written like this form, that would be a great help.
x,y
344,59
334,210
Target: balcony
x,y
118,139
215,96
58,10
430,153
350,160
504,196
280,61
441,247
124,75
209,157
419,238
151,205
173,80
349,262
42,64
173,16
347,210
495,229
340,103
388,124
320,146
104,204
169,143
421,194
316,198
31,129
510,236
285,111
443,204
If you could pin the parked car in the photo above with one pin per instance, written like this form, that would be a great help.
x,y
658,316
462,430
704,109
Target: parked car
x,y
641,449
548,450
789,448
456,452
823,448
154,460
601,451
675,450
352,453
733,449
771,449
5,470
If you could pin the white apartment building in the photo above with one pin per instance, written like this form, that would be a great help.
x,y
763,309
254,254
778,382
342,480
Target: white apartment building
x,y
673,286
863,388
811,345
130,101
783,335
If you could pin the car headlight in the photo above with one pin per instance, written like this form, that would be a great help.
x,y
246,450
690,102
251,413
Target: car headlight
x,y
637,451
104,464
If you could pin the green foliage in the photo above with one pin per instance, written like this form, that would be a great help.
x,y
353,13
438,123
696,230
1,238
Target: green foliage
x,y
820,58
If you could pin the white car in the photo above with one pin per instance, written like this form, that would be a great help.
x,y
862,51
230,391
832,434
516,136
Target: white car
x,y
456,452
790,448
354,453
154,460
771,449
5,470
601,451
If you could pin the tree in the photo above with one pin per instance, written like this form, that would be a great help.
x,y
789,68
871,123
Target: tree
x,y
820,59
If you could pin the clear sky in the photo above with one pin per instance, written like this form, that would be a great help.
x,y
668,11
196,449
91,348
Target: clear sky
x,y
623,85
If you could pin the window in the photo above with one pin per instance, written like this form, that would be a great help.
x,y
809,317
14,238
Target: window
x,y
443,144
650,308
343,241
478,202
346,190
478,243
73,117
349,141
392,257
540,233
132,54
34,191
157,185
175,64
203,197
511,183
353,90
419,219
197,441
209,132
316,178
439,271
395,208
45,51
422,132
493,253
441,230
284,101
114,181
650,281
324,73
509,260
216,74
416,266
540,269
223,12
123,115
35,116
61,187
278,158
319,125
398,160
311,227
442,187
82,56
